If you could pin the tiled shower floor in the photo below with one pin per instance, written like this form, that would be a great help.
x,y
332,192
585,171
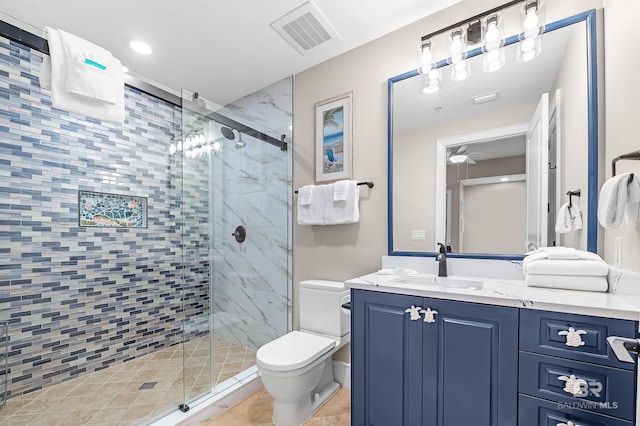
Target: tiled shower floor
x,y
114,396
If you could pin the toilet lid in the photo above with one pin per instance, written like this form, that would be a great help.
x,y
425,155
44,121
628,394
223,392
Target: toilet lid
x,y
293,350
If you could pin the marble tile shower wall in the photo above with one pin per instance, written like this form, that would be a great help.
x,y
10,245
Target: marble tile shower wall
x,y
251,279
80,299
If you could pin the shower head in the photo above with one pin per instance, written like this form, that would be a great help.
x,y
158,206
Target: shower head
x,y
227,132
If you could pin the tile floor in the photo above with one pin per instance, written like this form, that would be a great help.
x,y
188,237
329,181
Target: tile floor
x,y
114,396
256,411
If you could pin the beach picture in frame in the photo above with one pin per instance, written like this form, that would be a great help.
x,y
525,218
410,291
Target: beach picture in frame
x,y
334,138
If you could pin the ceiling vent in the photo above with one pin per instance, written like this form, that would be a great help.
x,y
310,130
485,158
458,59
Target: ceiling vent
x,y
305,28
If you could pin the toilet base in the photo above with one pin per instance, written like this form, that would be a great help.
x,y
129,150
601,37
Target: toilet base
x,y
291,414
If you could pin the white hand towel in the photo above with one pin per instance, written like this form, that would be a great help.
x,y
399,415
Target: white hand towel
x,y
305,194
612,201
563,220
66,48
568,282
342,212
633,201
313,212
340,190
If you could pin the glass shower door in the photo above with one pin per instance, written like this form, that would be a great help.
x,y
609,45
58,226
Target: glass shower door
x,y
236,196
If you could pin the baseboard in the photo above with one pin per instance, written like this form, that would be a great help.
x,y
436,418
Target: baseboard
x,y
342,373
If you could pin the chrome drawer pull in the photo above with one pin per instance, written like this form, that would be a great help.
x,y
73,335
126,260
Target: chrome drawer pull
x,y
573,385
414,312
573,336
569,423
429,315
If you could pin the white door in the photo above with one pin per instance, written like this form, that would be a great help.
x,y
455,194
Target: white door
x,y
537,167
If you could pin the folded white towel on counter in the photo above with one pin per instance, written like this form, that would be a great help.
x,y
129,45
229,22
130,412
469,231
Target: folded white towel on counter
x,y
568,282
569,218
594,268
558,252
342,211
311,207
83,78
613,201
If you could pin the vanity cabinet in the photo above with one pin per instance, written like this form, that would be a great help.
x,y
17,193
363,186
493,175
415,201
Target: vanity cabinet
x,y
568,374
423,361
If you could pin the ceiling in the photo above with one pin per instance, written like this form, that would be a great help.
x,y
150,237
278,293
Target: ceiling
x,y
223,50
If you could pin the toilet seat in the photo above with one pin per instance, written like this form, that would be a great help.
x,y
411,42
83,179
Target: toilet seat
x,y
292,351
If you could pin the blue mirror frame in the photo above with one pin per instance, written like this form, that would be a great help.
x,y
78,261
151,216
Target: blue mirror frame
x,y
589,17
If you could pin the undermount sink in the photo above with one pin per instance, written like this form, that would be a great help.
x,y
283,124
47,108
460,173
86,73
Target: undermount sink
x,y
447,282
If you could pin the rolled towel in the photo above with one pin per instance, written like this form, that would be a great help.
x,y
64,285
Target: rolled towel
x,y
568,282
612,201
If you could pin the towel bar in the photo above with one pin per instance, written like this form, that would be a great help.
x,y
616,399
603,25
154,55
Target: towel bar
x,y
369,184
571,194
635,155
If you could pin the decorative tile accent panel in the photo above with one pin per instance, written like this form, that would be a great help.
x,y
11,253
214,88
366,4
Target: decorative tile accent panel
x,y
111,210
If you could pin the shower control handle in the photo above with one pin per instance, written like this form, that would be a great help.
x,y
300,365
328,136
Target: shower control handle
x,y
240,233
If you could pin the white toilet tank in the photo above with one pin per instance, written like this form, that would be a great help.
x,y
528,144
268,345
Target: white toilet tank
x,y
321,307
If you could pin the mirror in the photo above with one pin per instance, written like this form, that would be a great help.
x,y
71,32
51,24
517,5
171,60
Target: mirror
x,y
493,202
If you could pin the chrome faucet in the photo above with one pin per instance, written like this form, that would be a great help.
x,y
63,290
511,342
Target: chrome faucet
x,y
441,258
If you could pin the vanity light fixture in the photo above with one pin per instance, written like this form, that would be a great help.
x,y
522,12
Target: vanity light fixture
x,y
531,17
484,32
432,75
458,49
493,58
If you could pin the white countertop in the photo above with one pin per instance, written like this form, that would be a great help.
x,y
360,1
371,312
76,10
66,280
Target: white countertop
x,y
618,303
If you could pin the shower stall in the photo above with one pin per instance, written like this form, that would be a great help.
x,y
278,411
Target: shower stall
x,y
125,288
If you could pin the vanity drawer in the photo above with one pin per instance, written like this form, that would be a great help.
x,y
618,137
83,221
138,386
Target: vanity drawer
x,y
605,390
538,412
578,337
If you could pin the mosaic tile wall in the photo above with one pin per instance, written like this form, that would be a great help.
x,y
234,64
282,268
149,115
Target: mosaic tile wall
x,y
80,299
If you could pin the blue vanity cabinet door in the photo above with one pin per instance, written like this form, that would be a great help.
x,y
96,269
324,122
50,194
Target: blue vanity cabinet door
x,y
470,355
386,360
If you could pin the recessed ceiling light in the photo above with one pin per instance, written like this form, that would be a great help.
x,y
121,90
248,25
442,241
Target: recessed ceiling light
x,y
140,47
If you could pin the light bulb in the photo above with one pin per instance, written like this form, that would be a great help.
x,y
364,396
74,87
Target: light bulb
x,y
179,146
216,146
531,20
460,66
172,149
427,57
492,33
528,44
456,45
493,55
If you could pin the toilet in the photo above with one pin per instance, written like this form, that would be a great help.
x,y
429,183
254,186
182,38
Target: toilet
x,y
297,369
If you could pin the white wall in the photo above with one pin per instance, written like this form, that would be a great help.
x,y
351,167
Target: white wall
x,y
346,251
622,114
